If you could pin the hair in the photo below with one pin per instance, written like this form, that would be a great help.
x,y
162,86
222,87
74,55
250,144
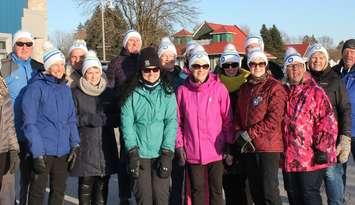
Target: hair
x,y
129,86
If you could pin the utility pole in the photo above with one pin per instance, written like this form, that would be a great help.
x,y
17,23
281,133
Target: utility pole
x,y
103,30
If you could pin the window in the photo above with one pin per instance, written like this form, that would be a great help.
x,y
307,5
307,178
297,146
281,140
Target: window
x,y
216,38
2,45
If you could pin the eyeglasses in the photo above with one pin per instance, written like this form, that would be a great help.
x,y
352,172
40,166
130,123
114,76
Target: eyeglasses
x,y
294,66
148,70
21,44
198,66
254,65
228,65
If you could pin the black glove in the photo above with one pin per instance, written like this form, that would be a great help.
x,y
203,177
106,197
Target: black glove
x,y
133,163
39,165
73,155
320,157
13,161
244,143
181,156
165,163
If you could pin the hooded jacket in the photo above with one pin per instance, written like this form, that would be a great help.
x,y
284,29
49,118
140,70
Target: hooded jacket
x,y
205,122
49,117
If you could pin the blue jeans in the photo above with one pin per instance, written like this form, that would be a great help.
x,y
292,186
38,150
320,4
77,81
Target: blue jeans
x,y
334,185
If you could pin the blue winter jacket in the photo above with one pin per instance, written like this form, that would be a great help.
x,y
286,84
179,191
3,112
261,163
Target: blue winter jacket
x,y
49,117
349,80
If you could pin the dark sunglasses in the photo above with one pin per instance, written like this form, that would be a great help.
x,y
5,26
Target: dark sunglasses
x,y
21,44
228,65
148,70
254,65
198,66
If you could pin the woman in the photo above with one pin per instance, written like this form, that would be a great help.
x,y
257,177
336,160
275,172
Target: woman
x,y
310,133
259,113
205,125
149,130
98,157
50,129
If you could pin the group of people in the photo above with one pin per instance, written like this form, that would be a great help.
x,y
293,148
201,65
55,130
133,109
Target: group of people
x,y
176,135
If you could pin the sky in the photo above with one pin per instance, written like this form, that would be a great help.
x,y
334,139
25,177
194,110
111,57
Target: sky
x,y
295,18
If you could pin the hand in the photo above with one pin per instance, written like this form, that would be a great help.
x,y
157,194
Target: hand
x,y
73,155
228,159
181,155
320,157
13,161
343,149
244,143
39,165
165,163
133,163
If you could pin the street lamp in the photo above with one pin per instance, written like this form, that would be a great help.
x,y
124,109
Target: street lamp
x,y
103,29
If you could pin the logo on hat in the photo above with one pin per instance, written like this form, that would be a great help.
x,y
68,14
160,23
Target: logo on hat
x,y
146,63
223,59
165,47
290,60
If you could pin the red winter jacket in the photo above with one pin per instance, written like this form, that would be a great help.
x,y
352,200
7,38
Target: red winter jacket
x,y
260,110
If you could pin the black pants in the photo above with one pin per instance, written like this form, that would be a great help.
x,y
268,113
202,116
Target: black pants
x,y
303,188
262,171
177,195
197,178
93,190
25,173
149,188
57,171
124,181
3,162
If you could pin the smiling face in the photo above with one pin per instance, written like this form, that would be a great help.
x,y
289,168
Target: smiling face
x,y
349,57
93,75
167,60
77,58
230,69
317,62
23,48
257,67
134,45
151,74
57,69
295,72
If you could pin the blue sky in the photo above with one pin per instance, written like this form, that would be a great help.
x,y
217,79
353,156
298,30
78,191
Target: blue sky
x,y
296,18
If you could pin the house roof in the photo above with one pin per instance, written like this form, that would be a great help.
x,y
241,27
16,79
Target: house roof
x,y
300,47
183,32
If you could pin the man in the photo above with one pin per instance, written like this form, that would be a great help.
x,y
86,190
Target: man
x,y
256,42
317,57
77,54
121,69
17,70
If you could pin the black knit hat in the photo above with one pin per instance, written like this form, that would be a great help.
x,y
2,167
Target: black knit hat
x,y
148,57
349,44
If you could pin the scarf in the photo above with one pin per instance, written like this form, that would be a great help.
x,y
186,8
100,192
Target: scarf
x,y
233,83
92,90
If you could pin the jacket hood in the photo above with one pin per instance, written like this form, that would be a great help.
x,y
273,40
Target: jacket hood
x,y
48,78
211,80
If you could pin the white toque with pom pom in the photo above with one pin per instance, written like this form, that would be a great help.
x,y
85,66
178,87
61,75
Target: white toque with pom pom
x,y
229,55
51,55
166,45
292,56
90,61
78,44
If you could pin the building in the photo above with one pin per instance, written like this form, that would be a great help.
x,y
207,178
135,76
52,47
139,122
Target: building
x,y
301,48
29,15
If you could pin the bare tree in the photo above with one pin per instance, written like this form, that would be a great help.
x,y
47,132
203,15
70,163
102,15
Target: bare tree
x,y
326,41
62,40
245,28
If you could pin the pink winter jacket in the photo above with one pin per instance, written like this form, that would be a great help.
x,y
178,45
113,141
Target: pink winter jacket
x,y
309,124
204,120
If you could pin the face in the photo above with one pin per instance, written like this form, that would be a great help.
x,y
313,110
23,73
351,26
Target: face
x,y
230,69
23,48
167,60
318,61
257,67
93,75
151,74
295,72
251,46
134,45
76,58
200,71
349,57
57,70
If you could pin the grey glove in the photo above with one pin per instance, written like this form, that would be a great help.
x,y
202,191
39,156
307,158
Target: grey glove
x,y
14,160
244,143
164,164
39,165
133,163
343,149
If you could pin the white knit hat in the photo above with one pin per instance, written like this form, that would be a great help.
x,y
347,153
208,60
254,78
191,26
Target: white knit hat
x,y
198,55
22,34
166,45
229,55
189,46
317,47
257,53
90,61
291,56
78,44
51,55
254,39
129,34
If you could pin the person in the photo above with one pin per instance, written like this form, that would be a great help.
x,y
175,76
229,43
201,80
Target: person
x,y
259,112
310,132
318,59
149,130
9,147
77,54
204,127
98,157
17,70
256,42
50,129
120,70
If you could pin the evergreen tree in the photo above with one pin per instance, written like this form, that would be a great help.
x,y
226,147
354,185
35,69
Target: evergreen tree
x,y
277,43
265,34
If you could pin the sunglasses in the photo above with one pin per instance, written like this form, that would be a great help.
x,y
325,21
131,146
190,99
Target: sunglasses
x,y
198,66
228,65
21,44
294,66
254,65
148,70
